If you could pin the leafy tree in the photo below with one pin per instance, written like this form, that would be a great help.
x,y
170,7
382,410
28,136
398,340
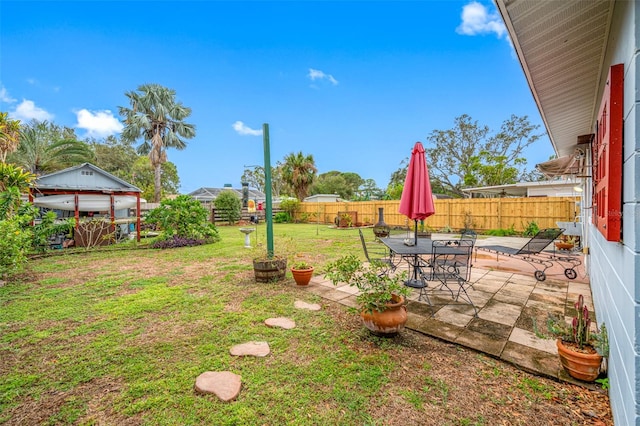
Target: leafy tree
x,y
255,178
334,182
369,190
143,176
229,205
9,135
115,156
158,119
46,147
299,172
183,217
467,155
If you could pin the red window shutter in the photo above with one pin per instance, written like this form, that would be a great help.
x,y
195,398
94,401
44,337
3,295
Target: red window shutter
x,y
607,158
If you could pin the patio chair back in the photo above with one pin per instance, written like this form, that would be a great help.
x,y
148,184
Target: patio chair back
x,y
451,260
540,241
376,255
469,234
451,263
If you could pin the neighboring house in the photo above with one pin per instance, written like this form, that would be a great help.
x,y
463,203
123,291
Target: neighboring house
x,y
547,188
580,59
87,190
207,195
323,198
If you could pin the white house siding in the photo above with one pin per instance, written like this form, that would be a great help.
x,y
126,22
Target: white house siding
x,y
615,267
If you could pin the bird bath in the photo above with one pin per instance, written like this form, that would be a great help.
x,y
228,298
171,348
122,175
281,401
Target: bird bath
x,y
246,232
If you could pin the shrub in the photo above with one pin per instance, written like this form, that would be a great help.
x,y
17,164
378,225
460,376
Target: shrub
x,y
531,229
229,205
183,217
291,206
501,232
282,217
16,239
176,241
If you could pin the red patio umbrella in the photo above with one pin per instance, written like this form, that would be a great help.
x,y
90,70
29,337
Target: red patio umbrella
x,y
417,200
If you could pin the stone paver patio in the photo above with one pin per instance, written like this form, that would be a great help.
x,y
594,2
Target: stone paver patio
x,y
507,297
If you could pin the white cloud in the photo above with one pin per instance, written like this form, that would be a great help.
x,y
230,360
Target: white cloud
x,y
320,75
98,124
243,129
476,19
27,111
4,96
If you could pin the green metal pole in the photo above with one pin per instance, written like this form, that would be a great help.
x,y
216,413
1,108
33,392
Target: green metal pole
x,y
267,189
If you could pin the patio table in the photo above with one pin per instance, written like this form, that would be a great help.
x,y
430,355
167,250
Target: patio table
x,y
411,254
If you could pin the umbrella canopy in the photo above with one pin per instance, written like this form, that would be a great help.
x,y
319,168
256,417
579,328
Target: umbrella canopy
x,y
417,200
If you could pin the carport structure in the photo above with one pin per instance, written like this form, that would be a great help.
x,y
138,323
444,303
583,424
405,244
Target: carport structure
x,y
86,188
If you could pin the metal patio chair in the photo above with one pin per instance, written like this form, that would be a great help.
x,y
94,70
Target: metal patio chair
x,y
451,269
377,254
531,251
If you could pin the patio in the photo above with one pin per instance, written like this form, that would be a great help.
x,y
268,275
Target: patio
x,y
507,297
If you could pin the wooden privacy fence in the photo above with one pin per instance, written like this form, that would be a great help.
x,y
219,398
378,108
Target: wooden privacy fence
x,y
480,214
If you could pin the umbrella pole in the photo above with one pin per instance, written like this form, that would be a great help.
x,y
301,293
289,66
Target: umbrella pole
x,y
415,241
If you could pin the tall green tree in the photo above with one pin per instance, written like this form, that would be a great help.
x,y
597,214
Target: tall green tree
x,y
143,176
299,172
345,184
255,178
469,155
115,156
157,118
9,135
46,147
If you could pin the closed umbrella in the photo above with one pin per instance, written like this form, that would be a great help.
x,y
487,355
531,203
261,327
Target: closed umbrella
x,y
417,200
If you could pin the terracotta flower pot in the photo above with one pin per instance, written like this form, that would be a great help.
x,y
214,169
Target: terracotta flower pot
x,y
302,276
581,366
564,246
387,322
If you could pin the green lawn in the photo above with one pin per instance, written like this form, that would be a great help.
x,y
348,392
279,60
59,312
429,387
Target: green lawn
x,y
118,337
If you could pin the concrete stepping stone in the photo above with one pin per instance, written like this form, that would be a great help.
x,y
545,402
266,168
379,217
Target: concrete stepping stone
x,y
299,304
281,322
223,384
251,349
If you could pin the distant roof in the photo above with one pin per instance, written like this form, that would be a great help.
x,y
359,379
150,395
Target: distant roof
x,y
84,177
210,194
317,197
527,189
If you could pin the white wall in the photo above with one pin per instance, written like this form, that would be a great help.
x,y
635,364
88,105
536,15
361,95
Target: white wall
x,y
615,267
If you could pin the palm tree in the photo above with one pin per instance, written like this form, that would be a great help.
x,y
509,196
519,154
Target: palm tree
x,y
45,147
299,172
158,119
9,135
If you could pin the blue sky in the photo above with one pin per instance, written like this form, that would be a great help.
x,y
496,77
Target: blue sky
x,y
355,84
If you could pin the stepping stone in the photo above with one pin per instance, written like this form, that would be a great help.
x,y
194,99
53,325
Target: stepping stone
x,y
281,322
304,305
223,384
251,349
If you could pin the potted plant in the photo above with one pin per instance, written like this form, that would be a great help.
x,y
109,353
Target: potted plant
x,y
424,231
271,268
381,296
302,272
566,243
580,349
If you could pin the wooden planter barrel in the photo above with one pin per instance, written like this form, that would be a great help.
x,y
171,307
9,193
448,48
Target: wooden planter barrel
x,y
269,270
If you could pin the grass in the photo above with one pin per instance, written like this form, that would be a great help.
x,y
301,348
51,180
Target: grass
x,y
118,337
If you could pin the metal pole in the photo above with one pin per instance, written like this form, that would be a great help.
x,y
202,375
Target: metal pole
x,y
267,189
